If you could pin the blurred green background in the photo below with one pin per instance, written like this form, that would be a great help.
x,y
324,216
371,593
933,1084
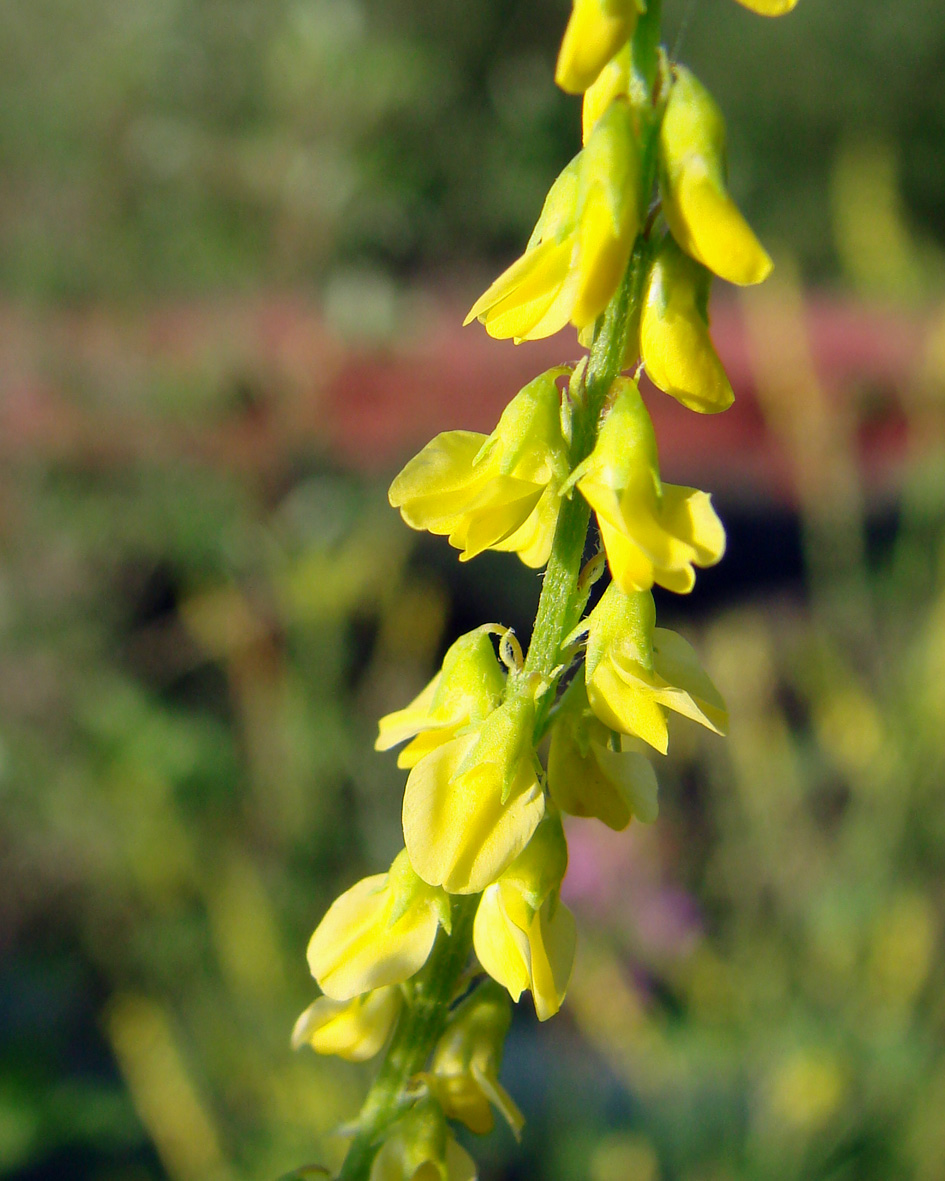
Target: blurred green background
x,y
203,609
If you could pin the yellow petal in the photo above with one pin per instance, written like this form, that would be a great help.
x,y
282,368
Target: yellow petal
x,y
458,832
355,948
405,723
460,1166
532,541
694,694
500,510
355,1029
435,486
626,708
707,224
501,947
583,784
551,939
533,310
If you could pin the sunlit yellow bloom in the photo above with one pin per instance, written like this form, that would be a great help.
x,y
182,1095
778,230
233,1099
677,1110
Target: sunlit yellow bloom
x,y
696,204
523,935
674,333
463,693
635,672
769,7
652,532
471,805
588,772
580,247
597,29
354,1029
464,1072
378,932
420,1147
498,492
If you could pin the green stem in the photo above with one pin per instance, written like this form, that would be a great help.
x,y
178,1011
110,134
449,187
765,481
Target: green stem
x,y
421,1023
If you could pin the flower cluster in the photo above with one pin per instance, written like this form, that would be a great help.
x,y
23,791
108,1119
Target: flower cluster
x,y
624,250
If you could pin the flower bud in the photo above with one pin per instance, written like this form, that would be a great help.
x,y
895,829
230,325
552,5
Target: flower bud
x,y
597,29
465,1067
696,204
635,671
420,1147
587,776
652,532
498,492
379,932
674,333
463,693
355,1029
471,805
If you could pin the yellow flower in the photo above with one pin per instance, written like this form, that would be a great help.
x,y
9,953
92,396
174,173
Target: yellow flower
x,y
354,1029
468,687
696,204
652,532
420,1147
580,247
378,932
464,1072
635,672
589,774
523,935
769,7
674,333
498,492
471,805
597,29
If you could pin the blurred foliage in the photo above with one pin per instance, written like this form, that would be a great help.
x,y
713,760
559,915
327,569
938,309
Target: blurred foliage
x,y
152,145
187,724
